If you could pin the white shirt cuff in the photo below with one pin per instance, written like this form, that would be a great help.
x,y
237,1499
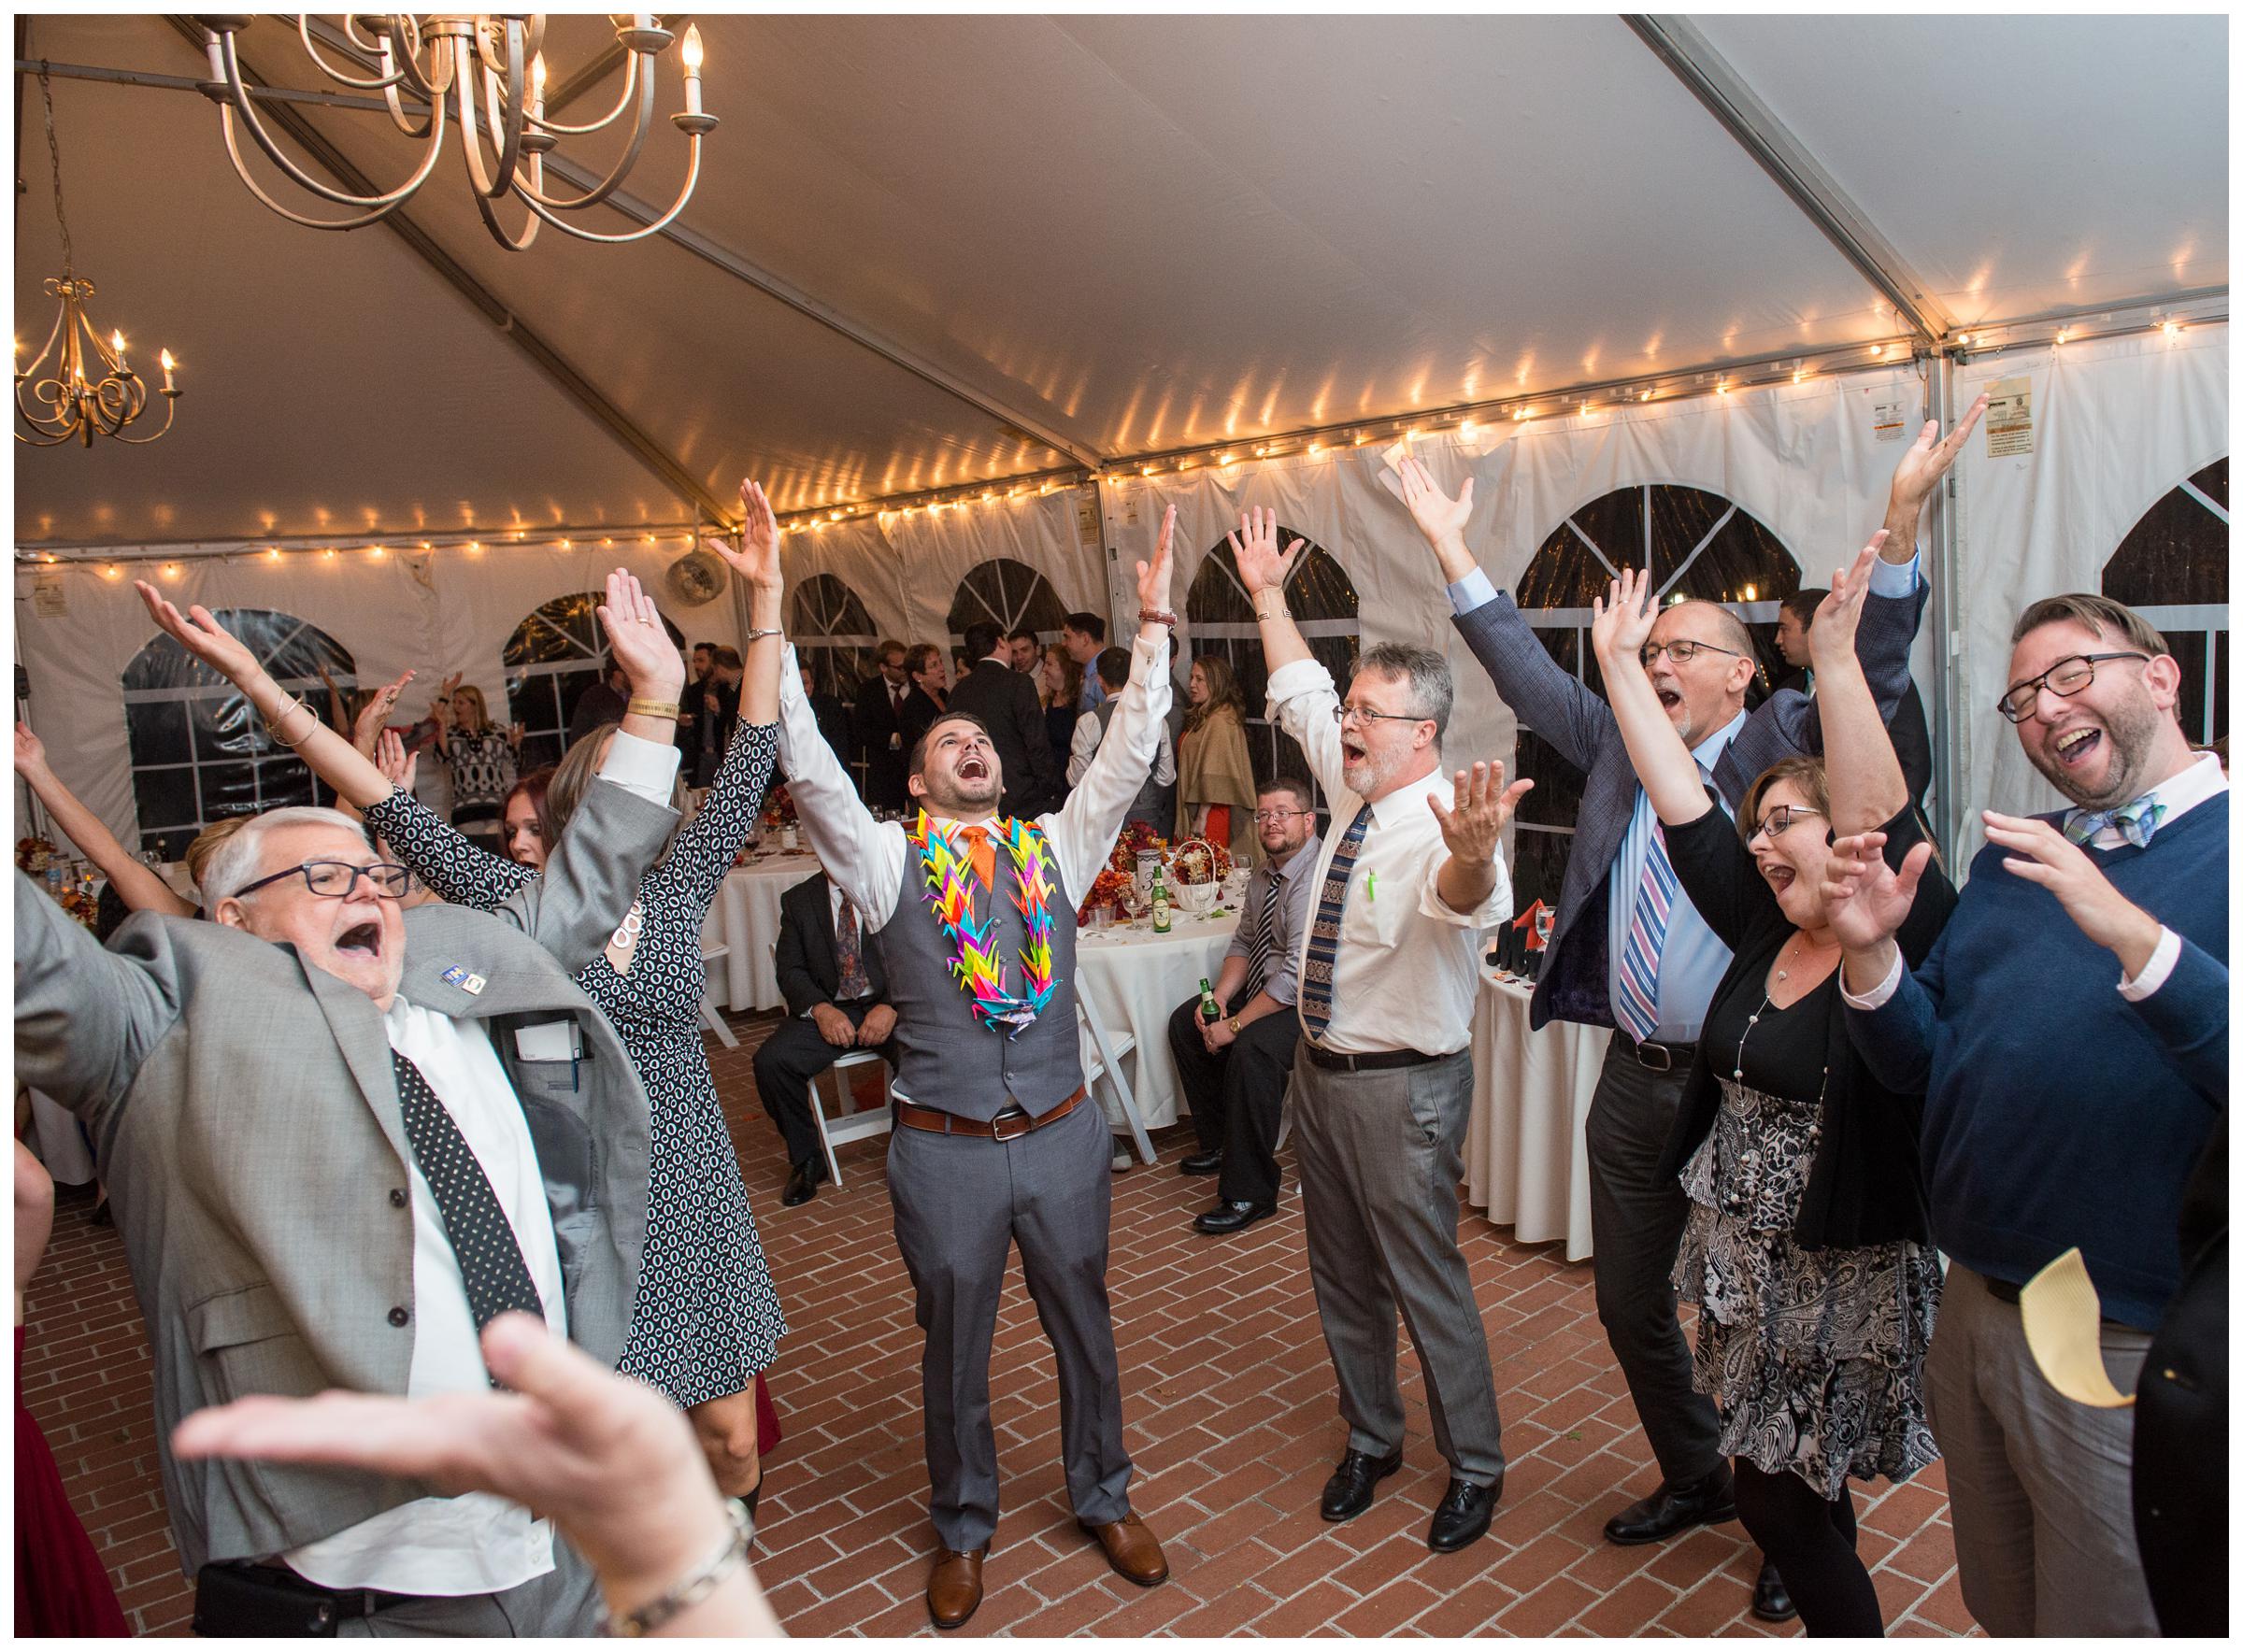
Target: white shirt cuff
x,y
1895,579
1878,996
1471,591
2162,959
641,766
1301,677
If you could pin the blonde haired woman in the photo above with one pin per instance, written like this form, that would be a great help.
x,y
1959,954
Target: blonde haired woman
x,y
1215,777
480,758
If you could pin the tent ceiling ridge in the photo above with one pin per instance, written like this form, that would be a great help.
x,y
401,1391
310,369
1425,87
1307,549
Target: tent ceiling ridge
x,y
1747,117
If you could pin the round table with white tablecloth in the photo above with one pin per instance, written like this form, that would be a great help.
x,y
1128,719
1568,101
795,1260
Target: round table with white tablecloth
x,y
744,917
1526,1156
1133,979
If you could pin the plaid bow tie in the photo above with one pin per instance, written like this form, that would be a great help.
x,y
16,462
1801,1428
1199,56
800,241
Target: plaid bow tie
x,y
2137,822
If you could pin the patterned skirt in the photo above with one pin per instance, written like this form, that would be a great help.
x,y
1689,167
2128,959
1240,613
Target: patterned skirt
x,y
1813,1358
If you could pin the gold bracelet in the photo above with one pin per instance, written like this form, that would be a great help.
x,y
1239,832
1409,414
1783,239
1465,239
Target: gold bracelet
x,y
272,724
652,708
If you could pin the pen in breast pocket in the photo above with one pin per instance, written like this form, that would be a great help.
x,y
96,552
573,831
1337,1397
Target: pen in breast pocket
x,y
1370,886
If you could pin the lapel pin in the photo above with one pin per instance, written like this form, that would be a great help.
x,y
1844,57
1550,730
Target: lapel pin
x,y
457,975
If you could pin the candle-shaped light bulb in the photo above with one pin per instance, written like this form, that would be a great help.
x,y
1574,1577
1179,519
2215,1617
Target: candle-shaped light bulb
x,y
693,68
537,85
165,356
116,344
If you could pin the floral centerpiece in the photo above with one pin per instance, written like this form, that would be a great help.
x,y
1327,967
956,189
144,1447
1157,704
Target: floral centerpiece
x,y
1106,889
1196,860
1136,839
778,807
32,853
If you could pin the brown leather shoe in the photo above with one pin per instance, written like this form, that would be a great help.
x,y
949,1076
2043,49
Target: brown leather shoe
x,y
1130,1549
955,1587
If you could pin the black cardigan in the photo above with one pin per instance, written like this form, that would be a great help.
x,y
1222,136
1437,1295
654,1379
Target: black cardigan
x,y
1866,1185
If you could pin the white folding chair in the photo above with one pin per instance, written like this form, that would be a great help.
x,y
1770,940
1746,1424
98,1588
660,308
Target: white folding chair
x,y
1102,1061
848,1126
710,1017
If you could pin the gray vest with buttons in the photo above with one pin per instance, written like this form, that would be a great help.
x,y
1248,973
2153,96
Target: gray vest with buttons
x,y
946,1058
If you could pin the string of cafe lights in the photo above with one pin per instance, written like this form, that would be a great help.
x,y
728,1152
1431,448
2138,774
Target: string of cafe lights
x,y
171,561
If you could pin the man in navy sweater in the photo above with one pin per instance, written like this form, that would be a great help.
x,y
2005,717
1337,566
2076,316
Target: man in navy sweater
x,y
2065,1100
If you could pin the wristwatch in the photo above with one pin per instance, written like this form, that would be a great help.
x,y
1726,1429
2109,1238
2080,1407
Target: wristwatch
x,y
1234,1025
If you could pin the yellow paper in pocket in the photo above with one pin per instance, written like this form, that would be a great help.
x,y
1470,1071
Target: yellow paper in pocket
x,y
2064,1328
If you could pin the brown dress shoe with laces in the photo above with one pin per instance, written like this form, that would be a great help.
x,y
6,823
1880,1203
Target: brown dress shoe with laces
x,y
1130,1549
955,1587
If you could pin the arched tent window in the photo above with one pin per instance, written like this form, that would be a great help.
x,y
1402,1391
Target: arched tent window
x,y
1697,544
1324,606
1011,596
553,656
834,635
2171,568
199,752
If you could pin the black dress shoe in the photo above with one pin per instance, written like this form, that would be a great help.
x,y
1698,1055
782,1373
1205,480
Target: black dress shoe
x,y
1462,1518
1349,1490
1230,1214
1771,1601
1205,1163
802,1185
1675,1508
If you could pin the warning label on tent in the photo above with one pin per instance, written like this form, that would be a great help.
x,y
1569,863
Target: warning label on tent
x,y
46,599
2009,418
1889,419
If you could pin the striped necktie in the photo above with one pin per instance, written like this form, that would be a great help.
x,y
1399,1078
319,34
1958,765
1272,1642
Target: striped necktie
x,y
1265,937
1638,1006
1323,936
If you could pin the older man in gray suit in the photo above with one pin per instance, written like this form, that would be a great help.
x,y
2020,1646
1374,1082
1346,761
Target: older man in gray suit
x,y
1629,952
340,1138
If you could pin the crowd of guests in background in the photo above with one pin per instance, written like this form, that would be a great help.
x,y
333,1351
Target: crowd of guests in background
x,y
1830,1063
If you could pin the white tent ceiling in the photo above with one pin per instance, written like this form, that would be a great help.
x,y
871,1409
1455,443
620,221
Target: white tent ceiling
x,y
1121,233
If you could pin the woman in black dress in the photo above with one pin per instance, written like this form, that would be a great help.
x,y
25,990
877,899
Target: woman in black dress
x,y
1807,1248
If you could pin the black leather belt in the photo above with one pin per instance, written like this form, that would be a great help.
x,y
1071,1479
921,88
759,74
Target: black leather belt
x,y
1658,1057
2001,1290
1378,1060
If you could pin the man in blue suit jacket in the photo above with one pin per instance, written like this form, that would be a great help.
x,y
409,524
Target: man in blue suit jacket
x,y
1627,952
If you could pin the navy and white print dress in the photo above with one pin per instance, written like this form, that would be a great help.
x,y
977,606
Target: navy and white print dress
x,y
706,1316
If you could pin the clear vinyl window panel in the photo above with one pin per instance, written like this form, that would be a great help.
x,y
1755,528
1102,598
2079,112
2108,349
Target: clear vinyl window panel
x,y
556,653
834,635
2172,569
1222,615
199,752
1010,595
1697,546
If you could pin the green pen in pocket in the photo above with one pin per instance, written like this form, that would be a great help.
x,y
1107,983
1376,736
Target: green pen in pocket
x,y
1370,886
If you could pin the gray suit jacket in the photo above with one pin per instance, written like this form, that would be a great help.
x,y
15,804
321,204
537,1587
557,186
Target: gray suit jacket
x,y
1574,985
244,1118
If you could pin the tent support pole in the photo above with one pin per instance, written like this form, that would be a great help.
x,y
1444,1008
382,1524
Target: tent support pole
x,y
1731,100
1947,720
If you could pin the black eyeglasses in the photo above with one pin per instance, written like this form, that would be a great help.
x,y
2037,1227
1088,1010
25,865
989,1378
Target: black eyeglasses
x,y
336,880
1262,817
2064,679
1364,713
1681,653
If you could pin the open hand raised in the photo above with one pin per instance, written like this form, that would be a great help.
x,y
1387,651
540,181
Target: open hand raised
x,y
756,561
1255,547
1483,806
641,643
1622,620
1838,616
1153,576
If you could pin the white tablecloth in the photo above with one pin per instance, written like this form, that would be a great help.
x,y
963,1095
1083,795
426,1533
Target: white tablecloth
x,y
745,918
1526,1156
1133,979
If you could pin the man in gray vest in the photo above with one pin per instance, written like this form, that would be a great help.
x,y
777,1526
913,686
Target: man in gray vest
x,y
1155,803
973,916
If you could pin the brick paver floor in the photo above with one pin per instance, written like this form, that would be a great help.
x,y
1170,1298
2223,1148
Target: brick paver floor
x,y
1231,1420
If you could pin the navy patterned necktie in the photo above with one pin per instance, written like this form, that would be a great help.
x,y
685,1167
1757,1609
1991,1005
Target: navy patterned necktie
x,y
1323,936
491,1265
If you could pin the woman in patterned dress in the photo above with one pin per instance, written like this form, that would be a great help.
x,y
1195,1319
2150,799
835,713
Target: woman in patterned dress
x,y
1808,1247
480,756
707,1318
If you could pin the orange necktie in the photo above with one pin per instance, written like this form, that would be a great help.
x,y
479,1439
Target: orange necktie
x,y
983,854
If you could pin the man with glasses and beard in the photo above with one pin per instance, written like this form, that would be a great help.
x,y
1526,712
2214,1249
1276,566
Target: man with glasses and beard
x,y
1628,951
1235,1068
2069,1032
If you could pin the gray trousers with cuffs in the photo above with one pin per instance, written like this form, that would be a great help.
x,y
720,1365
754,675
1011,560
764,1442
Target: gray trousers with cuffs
x,y
960,1203
1380,1155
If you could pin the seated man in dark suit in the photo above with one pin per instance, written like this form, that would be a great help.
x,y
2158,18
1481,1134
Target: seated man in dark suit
x,y
837,1001
1006,701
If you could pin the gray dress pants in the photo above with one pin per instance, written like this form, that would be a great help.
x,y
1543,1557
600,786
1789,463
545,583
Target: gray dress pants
x,y
960,1203
565,1601
1381,1156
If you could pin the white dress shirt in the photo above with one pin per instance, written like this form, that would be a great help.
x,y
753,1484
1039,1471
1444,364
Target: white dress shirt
x,y
865,857
2200,782
475,1544
1089,732
1408,970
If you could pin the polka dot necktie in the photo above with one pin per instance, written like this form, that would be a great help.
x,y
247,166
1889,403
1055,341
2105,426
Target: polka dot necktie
x,y
491,1265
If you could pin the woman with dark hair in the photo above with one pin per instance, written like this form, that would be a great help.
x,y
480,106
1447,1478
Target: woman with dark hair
x,y
1059,685
1215,777
707,1320
1808,1247
527,821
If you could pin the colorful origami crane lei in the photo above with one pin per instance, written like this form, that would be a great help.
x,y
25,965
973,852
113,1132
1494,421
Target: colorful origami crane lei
x,y
974,959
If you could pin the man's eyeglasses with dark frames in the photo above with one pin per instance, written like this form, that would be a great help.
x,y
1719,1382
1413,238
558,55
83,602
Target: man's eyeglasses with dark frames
x,y
2064,679
336,880
1364,713
1682,652
1264,817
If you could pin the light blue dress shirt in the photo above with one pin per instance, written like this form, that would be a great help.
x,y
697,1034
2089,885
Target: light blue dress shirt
x,y
1093,689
